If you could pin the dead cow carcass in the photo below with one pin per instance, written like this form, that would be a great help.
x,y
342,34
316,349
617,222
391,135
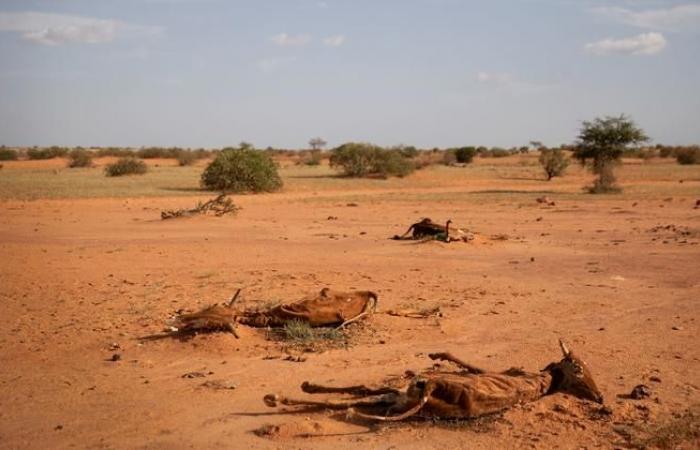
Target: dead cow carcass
x,y
471,393
327,308
427,229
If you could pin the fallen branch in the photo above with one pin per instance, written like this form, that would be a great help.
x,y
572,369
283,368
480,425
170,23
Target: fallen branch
x,y
218,206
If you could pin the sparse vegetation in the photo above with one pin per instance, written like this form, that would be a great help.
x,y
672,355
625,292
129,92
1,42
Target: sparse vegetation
x,y
301,332
242,169
115,151
79,157
126,166
604,141
46,153
554,162
7,154
186,158
688,155
158,152
311,158
362,160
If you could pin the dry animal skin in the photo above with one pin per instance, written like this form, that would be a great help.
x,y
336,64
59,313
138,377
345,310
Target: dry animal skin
x,y
327,308
471,393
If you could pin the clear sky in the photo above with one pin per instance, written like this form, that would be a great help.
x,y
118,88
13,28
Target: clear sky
x,y
210,73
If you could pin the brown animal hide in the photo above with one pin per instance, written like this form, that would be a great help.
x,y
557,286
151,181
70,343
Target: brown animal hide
x,y
212,318
468,394
325,309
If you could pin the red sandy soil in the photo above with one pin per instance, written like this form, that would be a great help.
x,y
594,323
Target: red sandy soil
x,y
80,280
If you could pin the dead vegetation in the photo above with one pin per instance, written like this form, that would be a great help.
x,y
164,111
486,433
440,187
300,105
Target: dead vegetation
x,y
218,206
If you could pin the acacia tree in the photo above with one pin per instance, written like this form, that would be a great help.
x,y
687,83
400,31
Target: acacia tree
x,y
603,141
317,143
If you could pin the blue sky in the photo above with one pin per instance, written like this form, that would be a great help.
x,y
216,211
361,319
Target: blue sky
x,y
211,73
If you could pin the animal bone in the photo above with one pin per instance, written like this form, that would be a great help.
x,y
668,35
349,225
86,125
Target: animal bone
x,y
471,393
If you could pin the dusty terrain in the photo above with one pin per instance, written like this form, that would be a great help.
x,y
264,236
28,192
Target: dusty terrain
x,y
616,276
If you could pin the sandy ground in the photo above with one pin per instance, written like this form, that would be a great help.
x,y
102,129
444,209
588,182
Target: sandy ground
x,y
80,280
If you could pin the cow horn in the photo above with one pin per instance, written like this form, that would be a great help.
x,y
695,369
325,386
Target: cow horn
x,y
564,349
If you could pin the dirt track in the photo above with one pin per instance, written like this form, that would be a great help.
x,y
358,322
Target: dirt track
x,y
77,276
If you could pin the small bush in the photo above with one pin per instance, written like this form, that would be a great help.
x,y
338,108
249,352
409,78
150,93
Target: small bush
x,y
46,153
126,166
465,155
79,158
554,162
186,158
361,160
7,155
242,170
688,155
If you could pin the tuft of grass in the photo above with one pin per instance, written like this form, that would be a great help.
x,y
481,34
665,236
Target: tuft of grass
x,y
299,332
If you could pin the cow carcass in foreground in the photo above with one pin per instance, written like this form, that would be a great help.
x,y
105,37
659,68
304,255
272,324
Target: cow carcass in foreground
x,y
471,393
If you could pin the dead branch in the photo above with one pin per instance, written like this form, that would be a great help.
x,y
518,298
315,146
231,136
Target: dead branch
x,y
219,206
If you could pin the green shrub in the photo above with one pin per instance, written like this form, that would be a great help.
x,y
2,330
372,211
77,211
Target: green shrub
x,y
127,165
465,155
242,170
79,158
46,153
554,162
688,155
186,158
361,160
7,155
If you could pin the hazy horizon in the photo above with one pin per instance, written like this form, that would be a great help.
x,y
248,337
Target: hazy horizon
x,y
428,73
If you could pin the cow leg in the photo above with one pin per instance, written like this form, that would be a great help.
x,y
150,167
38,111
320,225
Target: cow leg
x,y
273,400
359,390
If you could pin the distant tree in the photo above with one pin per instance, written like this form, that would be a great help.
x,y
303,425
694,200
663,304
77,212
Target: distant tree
x,y
603,141
317,143
554,162
536,145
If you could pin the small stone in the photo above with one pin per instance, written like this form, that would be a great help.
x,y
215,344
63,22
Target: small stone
x,y
655,379
676,328
640,391
116,357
